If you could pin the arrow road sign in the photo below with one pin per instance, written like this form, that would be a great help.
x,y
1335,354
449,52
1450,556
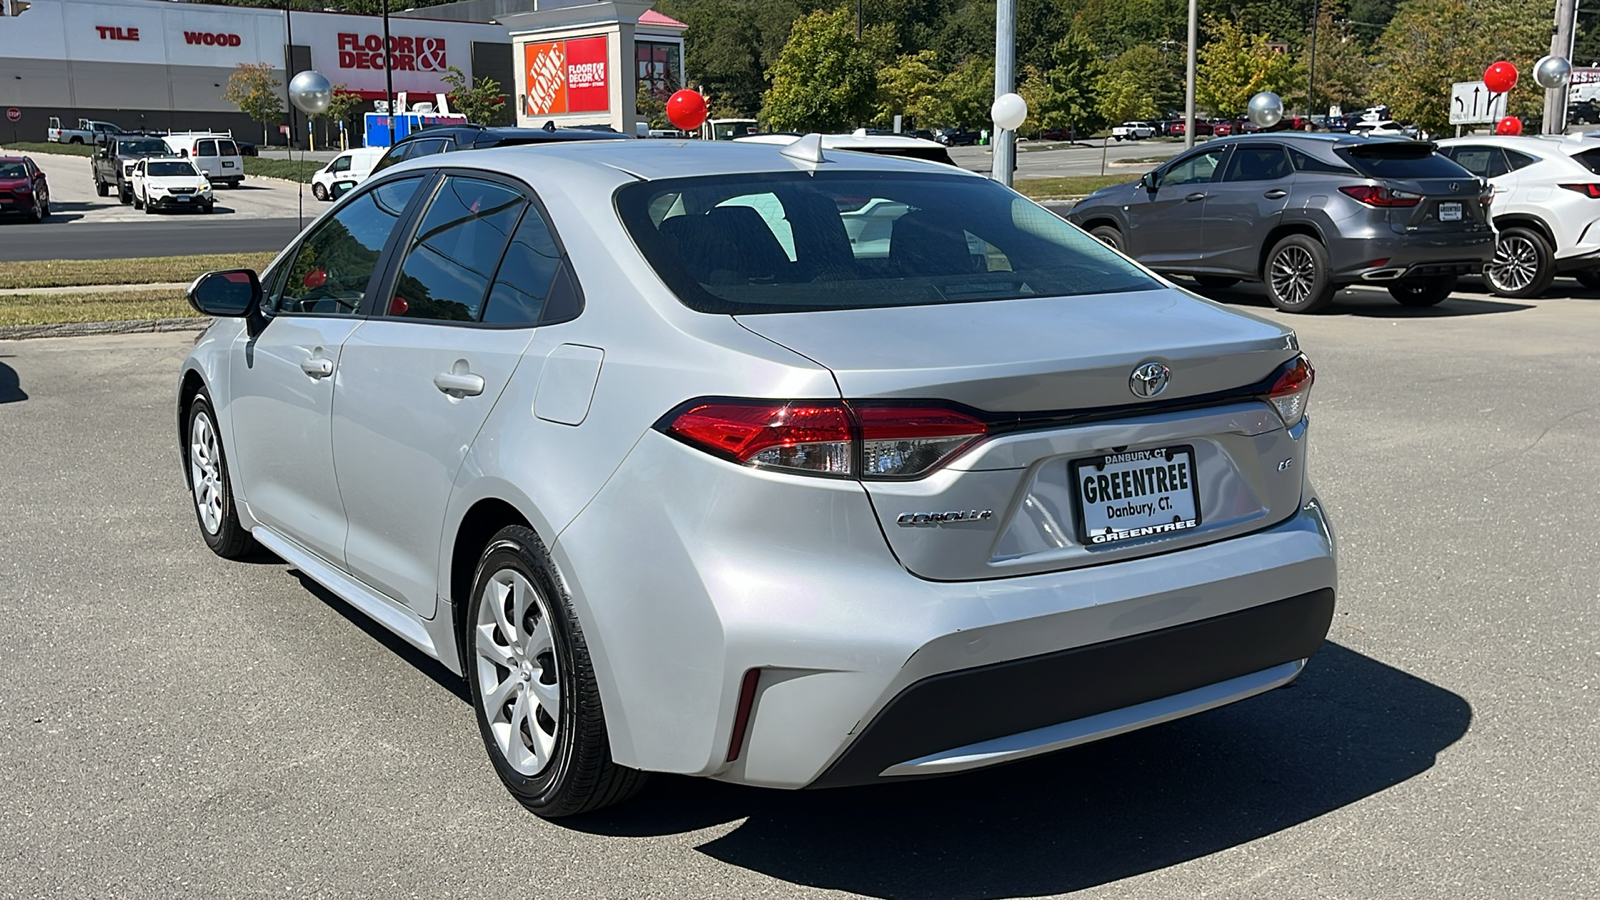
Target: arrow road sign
x,y
1471,103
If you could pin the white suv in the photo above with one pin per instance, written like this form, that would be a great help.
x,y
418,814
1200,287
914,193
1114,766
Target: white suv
x,y
1546,208
170,184
1133,131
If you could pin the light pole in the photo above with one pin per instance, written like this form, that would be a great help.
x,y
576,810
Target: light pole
x,y
1188,91
1561,37
1005,82
388,71
1311,67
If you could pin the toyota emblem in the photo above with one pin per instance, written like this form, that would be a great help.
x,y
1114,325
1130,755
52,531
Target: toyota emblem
x,y
1149,379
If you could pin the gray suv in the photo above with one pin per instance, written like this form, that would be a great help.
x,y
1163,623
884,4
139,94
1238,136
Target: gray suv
x,y
1306,214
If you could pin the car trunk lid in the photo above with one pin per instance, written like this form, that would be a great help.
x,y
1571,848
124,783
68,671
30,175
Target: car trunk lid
x,y
1450,199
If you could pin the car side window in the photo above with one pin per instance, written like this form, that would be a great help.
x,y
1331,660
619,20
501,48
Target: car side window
x,y
396,154
1517,160
1197,169
528,274
1257,163
425,148
1305,162
452,257
1485,162
332,266
342,164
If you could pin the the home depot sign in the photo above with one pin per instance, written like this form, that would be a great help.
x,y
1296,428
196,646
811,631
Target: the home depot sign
x,y
567,77
406,54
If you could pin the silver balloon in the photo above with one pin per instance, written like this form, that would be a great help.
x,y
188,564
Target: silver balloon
x,y
311,92
1552,72
1266,109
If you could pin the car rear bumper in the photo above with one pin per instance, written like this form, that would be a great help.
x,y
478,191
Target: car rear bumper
x,y
1387,256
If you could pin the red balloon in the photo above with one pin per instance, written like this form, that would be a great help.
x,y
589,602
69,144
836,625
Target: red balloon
x,y
1500,77
686,109
1509,125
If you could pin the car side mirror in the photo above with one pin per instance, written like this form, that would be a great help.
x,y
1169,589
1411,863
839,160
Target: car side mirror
x,y
340,188
230,293
1148,181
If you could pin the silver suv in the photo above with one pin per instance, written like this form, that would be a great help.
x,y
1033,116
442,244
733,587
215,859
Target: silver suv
x,y
1305,213
685,469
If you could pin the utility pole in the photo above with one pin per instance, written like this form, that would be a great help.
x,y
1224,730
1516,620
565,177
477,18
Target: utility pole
x,y
858,20
1311,67
1561,36
1005,81
1188,91
388,71
288,72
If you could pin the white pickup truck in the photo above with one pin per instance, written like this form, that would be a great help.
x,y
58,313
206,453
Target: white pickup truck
x,y
1133,131
88,131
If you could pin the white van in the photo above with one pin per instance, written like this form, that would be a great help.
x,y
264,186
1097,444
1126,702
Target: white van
x,y
215,155
351,165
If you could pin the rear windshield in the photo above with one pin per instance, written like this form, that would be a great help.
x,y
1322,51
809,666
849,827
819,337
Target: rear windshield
x,y
1399,159
1589,159
227,148
741,244
171,168
928,154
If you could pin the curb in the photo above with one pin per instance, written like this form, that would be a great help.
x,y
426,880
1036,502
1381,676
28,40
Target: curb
x,y
80,329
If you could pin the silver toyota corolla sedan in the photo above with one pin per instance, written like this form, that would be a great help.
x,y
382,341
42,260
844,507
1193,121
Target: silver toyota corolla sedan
x,y
781,466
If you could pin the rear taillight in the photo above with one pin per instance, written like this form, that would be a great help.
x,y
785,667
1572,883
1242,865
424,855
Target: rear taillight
x,y
1588,190
1378,195
1291,390
827,437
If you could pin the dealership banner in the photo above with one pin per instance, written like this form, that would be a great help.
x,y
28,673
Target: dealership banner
x,y
567,76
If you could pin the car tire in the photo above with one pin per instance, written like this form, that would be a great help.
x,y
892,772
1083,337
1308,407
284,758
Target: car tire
x,y
1523,265
556,763
137,202
124,195
209,487
1215,281
1108,235
1423,291
1589,278
208,208
319,192
1297,275
37,213
103,189
148,209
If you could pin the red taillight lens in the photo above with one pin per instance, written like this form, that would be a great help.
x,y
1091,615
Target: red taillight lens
x,y
828,437
1588,190
1377,195
1292,390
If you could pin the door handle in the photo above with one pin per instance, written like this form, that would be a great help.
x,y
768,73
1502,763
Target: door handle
x,y
1198,195
1276,194
317,366
463,383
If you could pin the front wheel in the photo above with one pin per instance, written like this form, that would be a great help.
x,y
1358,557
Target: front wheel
x,y
1522,266
533,687
138,203
1297,275
1108,235
1423,291
209,487
319,192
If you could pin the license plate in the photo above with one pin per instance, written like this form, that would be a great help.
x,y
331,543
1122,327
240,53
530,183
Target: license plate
x,y
1136,494
229,165
1449,212
182,199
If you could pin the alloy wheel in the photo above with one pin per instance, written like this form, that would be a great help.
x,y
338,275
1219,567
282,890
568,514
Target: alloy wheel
x,y
1515,263
1293,274
518,680
205,472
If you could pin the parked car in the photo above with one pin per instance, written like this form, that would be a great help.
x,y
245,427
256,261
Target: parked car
x,y
1057,134
1546,208
1202,128
89,131
1133,131
246,148
957,137
864,141
173,183
450,138
114,159
1305,213
351,165
921,134
680,485
24,191
1221,127
215,155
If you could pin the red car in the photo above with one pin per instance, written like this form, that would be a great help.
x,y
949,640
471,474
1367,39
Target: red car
x,y
23,190
1220,129
1201,128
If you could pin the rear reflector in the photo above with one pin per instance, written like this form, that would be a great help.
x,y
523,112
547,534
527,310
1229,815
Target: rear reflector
x,y
741,715
1377,195
1291,391
827,437
1588,190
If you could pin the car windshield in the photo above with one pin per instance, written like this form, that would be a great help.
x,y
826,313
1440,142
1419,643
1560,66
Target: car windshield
x,y
1400,159
741,244
151,147
172,168
13,170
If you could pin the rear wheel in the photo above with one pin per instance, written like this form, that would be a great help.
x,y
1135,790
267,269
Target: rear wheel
x,y
1423,291
1522,266
101,188
1589,278
1108,235
1215,281
1297,273
533,687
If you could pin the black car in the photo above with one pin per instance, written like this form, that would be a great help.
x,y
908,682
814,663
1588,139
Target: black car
x,y
957,137
450,138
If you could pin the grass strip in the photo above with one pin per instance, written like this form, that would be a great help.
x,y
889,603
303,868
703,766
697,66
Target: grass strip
x,y
1069,187
122,306
299,170
145,270
26,147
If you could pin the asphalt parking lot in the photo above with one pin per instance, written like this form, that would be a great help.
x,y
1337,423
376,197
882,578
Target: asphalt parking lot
x,y
176,725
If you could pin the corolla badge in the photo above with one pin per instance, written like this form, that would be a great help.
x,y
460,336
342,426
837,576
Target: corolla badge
x,y
1149,379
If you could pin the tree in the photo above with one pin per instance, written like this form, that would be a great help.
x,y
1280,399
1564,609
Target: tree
x,y
481,103
1132,85
1430,44
341,110
968,92
1342,66
252,88
1067,95
824,80
1236,64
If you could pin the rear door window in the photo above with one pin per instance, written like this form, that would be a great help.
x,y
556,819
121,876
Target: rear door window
x,y
453,255
1400,159
1483,161
1517,160
1257,163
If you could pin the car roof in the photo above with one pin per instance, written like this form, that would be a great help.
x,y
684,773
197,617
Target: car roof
x,y
1568,144
858,140
13,159
1309,138
510,133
